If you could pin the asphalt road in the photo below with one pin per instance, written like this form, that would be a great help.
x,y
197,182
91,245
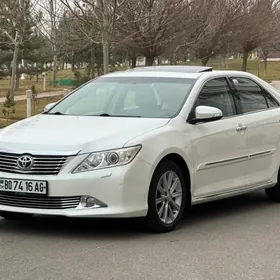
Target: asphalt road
x,y
236,239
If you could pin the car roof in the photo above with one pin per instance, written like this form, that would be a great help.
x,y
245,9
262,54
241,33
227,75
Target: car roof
x,y
155,74
174,68
175,71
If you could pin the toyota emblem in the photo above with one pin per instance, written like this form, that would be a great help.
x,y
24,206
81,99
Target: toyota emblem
x,y
25,162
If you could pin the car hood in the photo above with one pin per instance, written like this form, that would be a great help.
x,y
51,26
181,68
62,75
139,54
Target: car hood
x,y
47,133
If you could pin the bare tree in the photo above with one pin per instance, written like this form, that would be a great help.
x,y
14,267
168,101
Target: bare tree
x,y
152,27
97,20
265,51
50,13
258,24
217,29
13,21
75,47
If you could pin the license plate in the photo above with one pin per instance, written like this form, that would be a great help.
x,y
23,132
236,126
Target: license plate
x,y
24,186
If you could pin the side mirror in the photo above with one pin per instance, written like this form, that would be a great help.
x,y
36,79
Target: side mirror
x,y
206,114
49,106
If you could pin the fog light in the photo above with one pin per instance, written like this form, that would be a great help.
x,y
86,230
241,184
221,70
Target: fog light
x,y
90,202
87,201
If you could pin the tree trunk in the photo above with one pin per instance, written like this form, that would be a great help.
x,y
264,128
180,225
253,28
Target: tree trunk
x,y
126,61
265,64
92,63
149,60
73,65
204,61
105,47
133,61
17,80
14,71
245,60
226,60
173,59
54,69
223,62
53,39
37,75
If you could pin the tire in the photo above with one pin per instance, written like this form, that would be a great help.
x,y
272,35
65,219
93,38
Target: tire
x,y
159,197
14,216
273,193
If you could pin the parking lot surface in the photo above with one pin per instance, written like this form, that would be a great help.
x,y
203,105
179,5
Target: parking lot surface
x,y
236,238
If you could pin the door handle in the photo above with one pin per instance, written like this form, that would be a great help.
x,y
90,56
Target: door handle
x,y
241,127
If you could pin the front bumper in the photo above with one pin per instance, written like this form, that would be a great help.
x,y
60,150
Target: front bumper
x,y
122,191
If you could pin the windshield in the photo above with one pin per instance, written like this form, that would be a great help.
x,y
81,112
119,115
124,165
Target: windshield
x,y
127,97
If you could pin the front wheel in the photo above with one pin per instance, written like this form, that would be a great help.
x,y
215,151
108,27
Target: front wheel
x,y
15,216
167,197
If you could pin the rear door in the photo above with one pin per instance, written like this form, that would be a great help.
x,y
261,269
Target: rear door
x,y
262,122
220,147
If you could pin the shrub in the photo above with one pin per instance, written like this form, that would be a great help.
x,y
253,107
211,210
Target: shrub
x,y
80,78
9,106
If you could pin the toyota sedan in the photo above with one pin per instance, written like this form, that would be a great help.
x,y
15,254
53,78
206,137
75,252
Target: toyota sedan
x,y
149,142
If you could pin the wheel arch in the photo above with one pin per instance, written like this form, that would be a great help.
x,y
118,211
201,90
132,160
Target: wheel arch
x,y
180,161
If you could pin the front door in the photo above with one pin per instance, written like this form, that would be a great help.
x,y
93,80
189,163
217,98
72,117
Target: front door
x,y
219,147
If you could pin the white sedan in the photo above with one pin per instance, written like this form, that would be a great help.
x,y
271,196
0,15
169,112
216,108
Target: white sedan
x,y
149,142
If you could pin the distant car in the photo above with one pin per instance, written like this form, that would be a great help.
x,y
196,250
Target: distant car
x,y
148,142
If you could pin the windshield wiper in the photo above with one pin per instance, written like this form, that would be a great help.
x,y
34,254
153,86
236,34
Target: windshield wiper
x,y
122,116
104,115
56,113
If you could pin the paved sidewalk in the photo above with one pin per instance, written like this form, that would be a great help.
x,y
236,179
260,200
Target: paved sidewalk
x,y
39,95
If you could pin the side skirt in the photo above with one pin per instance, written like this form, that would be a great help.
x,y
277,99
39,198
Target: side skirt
x,y
232,193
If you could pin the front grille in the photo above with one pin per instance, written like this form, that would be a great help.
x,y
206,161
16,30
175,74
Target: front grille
x,y
43,164
28,201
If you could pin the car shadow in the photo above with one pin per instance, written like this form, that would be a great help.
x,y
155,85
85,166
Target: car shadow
x,y
226,208
117,229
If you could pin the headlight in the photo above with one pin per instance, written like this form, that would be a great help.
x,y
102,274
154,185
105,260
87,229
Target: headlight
x,y
106,159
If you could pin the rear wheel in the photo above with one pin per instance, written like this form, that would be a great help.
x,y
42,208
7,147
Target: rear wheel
x,y
167,197
15,216
273,194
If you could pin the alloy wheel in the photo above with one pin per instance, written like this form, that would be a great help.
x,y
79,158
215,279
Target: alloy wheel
x,y
168,197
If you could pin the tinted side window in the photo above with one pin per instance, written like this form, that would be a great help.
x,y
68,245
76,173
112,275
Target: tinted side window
x,y
216,93
270,101
252,97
